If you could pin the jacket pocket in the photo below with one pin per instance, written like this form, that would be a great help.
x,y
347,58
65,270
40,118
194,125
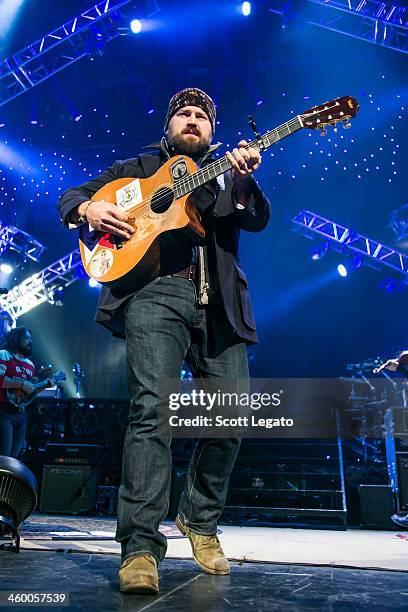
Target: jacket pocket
x,y
244,299
242,276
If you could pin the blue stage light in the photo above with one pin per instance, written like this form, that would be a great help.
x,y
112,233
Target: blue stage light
x,y
9,10
136,26
6,268
320,251
246,9
342,270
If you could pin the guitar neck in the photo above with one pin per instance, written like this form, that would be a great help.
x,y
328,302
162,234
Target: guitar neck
x,y
222,165
41,385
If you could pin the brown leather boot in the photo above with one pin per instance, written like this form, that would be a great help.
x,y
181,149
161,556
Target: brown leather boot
x,y
139,575
207,550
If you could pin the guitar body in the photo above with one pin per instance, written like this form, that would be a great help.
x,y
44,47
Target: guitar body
x,y
153,210
20,400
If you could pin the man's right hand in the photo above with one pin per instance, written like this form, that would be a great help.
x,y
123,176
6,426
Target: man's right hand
x,y
27,387
106,217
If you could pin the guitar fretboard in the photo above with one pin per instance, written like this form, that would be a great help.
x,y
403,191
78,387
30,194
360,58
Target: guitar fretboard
x,y
216,168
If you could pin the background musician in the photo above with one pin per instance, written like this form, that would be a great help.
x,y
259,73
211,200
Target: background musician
x,y
16,372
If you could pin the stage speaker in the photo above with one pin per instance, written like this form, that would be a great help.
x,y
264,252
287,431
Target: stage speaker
x,y
402,467
376,506
68,489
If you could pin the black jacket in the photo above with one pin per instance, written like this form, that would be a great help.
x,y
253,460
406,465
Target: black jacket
x,y
227,223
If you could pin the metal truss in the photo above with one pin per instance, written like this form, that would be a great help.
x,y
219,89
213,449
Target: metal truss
x,y
20,242
86,34
344,239
37,289
381,23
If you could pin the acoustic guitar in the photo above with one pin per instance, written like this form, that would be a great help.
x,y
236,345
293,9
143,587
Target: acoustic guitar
x,y
162,203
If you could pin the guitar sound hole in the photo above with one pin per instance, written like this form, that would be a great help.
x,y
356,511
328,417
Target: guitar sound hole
x,y
162,200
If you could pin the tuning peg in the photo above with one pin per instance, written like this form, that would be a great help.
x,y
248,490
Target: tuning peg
x,y
346,124
323,132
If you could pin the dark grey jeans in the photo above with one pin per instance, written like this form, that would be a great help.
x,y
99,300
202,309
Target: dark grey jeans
x,y
165,326
13,426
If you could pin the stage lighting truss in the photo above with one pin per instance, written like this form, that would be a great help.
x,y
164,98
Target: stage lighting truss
x,y
38,288
84,35
20,242
345,240
381,23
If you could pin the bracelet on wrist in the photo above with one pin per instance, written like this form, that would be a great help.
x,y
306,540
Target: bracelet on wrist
x,y
82,218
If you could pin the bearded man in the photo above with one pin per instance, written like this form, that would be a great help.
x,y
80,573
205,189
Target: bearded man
x,y
198,310
16,372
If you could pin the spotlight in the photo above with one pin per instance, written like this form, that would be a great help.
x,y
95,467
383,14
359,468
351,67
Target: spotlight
x,y
354,265
320,251
93,283
136,26
342,270
56,296
10,259
18,497
6,268
246,9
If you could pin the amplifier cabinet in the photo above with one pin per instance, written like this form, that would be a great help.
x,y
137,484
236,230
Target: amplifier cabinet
x,y
68,489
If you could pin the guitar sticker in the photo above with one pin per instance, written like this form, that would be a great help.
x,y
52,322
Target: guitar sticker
x,y
101,263
129,195
179,169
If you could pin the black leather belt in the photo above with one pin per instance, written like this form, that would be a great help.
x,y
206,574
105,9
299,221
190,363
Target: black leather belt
x,y
189,272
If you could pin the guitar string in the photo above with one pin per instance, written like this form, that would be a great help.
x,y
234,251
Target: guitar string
x,y
298,121
189,181
186,182
183,183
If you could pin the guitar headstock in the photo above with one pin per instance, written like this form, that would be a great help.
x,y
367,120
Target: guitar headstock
x,y
59,377
331,113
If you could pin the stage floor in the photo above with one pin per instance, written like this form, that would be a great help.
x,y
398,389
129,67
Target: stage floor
x,y
91,581
272,569
351,548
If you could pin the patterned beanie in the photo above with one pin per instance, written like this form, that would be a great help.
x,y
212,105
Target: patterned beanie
x,y
191,97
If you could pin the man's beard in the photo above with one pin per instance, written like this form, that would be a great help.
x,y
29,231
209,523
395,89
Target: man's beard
x,y
26,351
194,149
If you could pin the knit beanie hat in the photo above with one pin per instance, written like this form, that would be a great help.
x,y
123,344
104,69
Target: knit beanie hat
x,y
191,97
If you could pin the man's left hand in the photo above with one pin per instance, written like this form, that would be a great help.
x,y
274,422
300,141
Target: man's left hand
x,y
243,161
